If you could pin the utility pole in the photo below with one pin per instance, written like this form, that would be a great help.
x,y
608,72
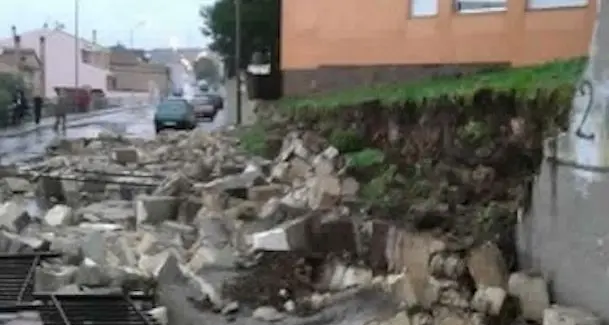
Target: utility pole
x,y
76,45
238,57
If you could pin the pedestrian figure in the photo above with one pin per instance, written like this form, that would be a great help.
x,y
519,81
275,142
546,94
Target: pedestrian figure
x,y
37,108
23,105
16,106
63,104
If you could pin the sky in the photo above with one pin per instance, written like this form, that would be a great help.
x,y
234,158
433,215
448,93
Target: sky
x,y
155,23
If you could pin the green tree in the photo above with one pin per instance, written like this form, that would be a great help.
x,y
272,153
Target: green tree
x,y
260,23
206,69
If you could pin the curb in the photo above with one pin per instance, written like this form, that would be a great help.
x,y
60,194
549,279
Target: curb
x,y
48,122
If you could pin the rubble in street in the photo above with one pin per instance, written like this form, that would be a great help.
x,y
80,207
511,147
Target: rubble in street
x,y
193,218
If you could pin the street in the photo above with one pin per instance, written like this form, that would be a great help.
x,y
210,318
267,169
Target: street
x,y
28,142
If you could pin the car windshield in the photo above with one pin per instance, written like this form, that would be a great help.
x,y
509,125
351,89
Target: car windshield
x,y
173,106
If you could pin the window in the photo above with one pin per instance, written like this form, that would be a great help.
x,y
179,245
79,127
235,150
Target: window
x,y
85,56
423,8
476,6
545,4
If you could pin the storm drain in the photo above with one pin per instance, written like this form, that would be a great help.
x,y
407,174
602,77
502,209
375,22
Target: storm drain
x,y
17,276
93,308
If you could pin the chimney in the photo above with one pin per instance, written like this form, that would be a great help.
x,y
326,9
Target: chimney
x,y
94,36
43,67
17,48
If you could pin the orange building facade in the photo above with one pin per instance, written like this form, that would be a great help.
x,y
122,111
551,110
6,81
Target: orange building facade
x,y
333,44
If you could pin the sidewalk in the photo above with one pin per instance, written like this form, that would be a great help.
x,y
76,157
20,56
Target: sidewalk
x,y
48,122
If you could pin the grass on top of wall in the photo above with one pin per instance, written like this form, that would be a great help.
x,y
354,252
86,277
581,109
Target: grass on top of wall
x,y
525,80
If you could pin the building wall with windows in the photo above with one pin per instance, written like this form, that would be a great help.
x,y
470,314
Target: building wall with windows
x,y
327,45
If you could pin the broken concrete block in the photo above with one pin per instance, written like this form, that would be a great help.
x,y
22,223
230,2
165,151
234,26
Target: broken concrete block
x,y
93,246
324,193
410,253
338,276
125,156
13,243
263,193
125,252
50,187
59,215
173,185
377,245
292,235
322,165
349,188
153,265
49,279
206,257
487,266
447,265
334,235
91,274
159,314
188,209
268,314
17,184
298,169
155,209
489,300
532,294
14,216
558,315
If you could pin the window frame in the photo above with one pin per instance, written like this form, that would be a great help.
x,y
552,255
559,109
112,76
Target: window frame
x,y
418,16
582,4
479,10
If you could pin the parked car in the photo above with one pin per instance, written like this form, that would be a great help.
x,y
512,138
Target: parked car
x,y
207,105
174,113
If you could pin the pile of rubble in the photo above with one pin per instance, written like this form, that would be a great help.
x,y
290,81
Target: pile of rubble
x,y
208,228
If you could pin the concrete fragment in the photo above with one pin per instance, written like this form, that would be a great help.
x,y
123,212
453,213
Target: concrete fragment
x,y
292,235
263,193
91,274
532,294
338,276
324,193
401,318
334,235
49,279
159,314
125,156
17,184
93,247
558,315
59,215
489,300
487,266
349,188
322,165
13,216
268,314
14,243
211,257
173,185
155,209
447,265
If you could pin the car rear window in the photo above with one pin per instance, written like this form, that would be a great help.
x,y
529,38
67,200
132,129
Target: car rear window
x,y
173,106
202,100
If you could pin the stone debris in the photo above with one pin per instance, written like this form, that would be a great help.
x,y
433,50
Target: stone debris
x,y
212,229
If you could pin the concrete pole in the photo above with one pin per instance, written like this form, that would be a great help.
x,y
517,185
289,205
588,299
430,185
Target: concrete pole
x,y
76,45
43,66
238,58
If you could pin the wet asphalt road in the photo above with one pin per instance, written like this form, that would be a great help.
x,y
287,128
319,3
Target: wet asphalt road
x,y
28,143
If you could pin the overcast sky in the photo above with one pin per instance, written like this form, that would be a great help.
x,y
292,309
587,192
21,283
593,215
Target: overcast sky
x,y
113,19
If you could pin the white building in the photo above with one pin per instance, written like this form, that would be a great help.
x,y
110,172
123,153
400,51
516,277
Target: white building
x,y
60,57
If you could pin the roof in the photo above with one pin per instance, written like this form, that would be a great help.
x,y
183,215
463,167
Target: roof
x,y
28,57
51,31
168,55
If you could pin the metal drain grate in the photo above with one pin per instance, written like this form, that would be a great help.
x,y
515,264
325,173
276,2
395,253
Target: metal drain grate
x,y
93,309
17,276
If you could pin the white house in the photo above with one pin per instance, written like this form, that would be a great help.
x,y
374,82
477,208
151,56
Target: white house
x,y
60,59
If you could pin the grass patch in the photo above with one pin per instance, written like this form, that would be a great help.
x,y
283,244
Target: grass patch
x,y
524,80
253,140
